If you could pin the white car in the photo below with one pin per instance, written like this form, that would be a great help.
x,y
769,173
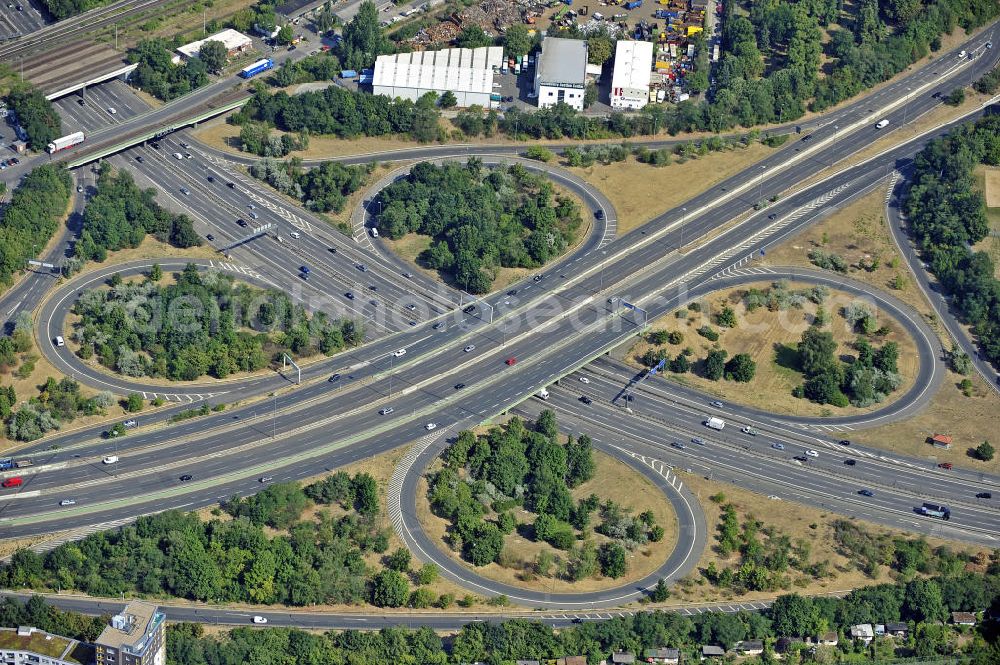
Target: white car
x,y
430,426
749,430
112,110
778,446
812,453
399,352
110,459
259,619
470,348
295,234
584,379
68,502
386,411
774,497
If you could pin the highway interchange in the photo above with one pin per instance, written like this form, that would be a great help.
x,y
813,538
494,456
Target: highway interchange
x,y
564,321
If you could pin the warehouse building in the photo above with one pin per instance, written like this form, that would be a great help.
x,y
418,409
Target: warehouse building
x,y
630,81
234,41
467,73
561,75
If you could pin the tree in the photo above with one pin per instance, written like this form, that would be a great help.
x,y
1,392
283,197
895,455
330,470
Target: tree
x,y
155,273
985,451
399,560
390,589
715,364
366,494
816,351
613,559
741,367
213,53
680,364
793,614
956,97
472,36
599,49
661,592
428,574
133,402
448,100
285,35
516,40
362,38
726,318
589,95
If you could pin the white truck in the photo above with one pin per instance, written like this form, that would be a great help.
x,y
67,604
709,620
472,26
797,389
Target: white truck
x,y
715,423
543,394
64,142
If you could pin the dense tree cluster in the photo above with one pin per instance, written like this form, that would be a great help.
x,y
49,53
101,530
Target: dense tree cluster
x,y
199,325
177,554
920,602
32,216
256,137
514,466
480,219
319,67
36,612
61,9
947,214
322,188
36,115
120,215
343,113
159,76
363,40
58,402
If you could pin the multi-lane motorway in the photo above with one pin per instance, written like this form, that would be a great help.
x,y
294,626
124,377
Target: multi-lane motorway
x,y
571,314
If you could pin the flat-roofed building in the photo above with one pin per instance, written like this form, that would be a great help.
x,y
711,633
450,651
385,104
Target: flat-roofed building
x,y
234,41
467,73
633,68
561,73
136,636
26,645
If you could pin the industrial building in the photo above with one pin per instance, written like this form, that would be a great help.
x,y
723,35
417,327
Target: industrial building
x,y
561,75
234,41
137,636
467,73
630,81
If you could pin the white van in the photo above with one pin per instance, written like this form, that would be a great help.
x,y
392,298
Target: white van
x,y
543,394
374,232
882,124
60,341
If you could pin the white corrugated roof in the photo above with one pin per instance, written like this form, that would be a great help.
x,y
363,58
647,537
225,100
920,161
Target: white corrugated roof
x,y
455,69
633,65
232,40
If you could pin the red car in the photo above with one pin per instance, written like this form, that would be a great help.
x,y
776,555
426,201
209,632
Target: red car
x,y
944,465
13,482
511,361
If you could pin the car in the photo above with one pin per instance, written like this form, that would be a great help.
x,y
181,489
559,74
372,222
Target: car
x,y
295,234
936,95
459,386
945,465
850,462
372,287
60,341
304,269
140,159
291,47
438,326
132,423
430,426
110,459
399,352
211,178
749,430
361,267
231,185
349,295
584,379
16,481
778,446
717,404
512,292
511,361
678,445
470,348
807,138
259,619
156,146
265,479
186,477
112,110
984,495
470,309
844,442
334,378
774,497
586,400
598,214
81,102
386,411
79,188
210,237
576,620
537,278
408,275
800,458
812,453
697,440
68,502
242,222
411,307
253,215
866,493
373,302
989,44
15,160
185,191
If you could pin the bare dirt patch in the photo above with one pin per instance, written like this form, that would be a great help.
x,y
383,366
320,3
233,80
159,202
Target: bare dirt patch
x,y
640,191
613,480
769,338
794,520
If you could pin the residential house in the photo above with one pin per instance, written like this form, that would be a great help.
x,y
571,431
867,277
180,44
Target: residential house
x,y
750,647
897,629
963,618
623,657
863,632
829,639
711,651
662,655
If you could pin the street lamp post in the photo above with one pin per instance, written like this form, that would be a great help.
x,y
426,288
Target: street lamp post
x,y
760,184
684,212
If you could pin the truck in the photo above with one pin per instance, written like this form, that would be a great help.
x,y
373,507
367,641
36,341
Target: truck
x,y
715,423
66,142
348,74
935,510
634,4
6,463
23,463
495,97
543,394
256,68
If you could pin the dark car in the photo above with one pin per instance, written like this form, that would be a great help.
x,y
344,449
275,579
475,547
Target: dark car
x,y
577,620
844,442
945,465
586,400
139,159
241,222
470,309
598,214
512,292
210,237
81,102
800,458
438,326
459,386
850,462
334,378
373,287
984,495
806,139
349,295
186,477
211,178
537,278
156,146
866,493
231,185
361,267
